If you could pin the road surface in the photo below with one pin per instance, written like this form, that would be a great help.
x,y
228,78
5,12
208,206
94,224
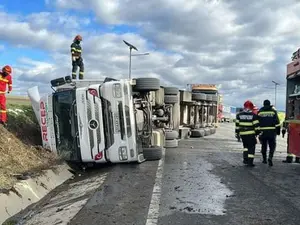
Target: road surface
x,y
201,182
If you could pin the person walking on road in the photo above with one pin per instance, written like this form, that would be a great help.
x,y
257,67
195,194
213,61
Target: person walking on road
x,y
77,60
236,134
247,126
269,127
5,80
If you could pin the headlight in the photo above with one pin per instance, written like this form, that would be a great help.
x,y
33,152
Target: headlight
x,y
117,91
123,153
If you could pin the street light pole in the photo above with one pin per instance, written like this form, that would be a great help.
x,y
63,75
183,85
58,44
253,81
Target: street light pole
x,y
276,84
129,73
130,50
130,55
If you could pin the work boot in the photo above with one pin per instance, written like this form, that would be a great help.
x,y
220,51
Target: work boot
x,y
264,158
245,161
80,76
270,162
297,160
250,162
289,159
73,77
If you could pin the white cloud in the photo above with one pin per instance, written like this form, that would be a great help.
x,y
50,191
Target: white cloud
x,y
238,44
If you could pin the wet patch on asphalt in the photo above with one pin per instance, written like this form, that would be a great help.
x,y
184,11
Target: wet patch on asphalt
x,y
189,186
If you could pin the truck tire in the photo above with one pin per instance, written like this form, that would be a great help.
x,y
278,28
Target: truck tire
x,y
171,134
214,98
209,97
197,133
171,99
171,90
212,130
146,84
206,91
171,143
198,96
153,153
207,131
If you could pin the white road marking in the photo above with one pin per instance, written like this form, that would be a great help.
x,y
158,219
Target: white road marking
x,y
153,212
64,207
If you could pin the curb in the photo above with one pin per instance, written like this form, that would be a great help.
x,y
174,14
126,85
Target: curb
x,y
32,190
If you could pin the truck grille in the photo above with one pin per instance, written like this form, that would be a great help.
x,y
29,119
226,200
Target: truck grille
x,y
89,115
98,129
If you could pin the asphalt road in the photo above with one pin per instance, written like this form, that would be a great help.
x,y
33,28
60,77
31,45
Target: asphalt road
x,y
201,182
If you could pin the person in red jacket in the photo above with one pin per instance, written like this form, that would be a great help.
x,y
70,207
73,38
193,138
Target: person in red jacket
x,y
5,80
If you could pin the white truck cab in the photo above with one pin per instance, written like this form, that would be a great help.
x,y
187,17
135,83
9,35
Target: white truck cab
x,y
92,121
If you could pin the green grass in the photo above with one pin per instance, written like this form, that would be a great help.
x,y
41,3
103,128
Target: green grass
x,y
20,145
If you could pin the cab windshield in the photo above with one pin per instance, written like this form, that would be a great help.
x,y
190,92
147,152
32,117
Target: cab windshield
x,y
65,124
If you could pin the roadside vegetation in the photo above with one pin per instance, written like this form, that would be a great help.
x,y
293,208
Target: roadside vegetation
x,y
21,152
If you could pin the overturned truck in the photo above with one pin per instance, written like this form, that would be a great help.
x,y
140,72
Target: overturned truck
x,y
198,111
92,121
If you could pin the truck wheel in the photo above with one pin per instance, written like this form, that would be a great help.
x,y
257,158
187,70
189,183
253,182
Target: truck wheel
x,y
146,84
209,97
171,90
171,99
207,131
197,133
199,96
171,134
171,143
153,153
214,98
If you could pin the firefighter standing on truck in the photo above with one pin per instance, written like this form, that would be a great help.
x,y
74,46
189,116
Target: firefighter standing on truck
x,y
77,60
247,125
5,80
269,127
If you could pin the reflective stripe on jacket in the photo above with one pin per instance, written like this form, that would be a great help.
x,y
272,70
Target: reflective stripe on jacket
x,y
4,82
268,119
246,123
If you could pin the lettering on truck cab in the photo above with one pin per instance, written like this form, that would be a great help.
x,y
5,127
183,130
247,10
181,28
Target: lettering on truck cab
x,y
43,121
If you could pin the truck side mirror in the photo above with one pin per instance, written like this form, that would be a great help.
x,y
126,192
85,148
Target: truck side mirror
x,y
58,82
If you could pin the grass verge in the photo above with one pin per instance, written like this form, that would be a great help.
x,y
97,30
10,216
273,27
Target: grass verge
x,y
21,153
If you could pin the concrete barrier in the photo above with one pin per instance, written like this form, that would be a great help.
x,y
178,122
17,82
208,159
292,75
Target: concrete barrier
x,y
27,192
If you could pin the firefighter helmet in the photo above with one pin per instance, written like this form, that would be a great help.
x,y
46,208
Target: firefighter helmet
x,y
78,38
248,105
7,69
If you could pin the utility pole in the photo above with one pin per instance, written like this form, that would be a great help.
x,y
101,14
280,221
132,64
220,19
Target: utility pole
x,y
276,84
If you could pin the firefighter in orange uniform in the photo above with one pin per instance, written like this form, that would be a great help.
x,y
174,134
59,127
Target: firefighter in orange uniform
x,y
5,80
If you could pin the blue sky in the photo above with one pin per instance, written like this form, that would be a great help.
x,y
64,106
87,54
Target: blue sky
x,y
185,40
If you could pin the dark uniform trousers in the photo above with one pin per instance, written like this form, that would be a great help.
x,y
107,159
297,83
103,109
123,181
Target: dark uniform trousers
x,y
249,142
265,141
246,126
75,64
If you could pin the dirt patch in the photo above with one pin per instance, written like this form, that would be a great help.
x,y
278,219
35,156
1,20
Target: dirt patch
x,y
21,154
